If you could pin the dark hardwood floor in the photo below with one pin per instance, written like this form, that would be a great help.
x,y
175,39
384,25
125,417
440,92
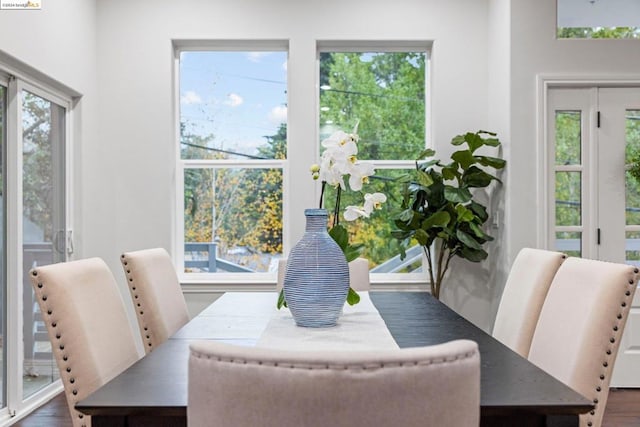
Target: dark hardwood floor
x,y
623,410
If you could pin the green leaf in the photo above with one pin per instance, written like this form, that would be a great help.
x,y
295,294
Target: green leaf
x,y
421,236
353,297
464,214
456,195
403,252
479,232
492,142
479,210
474,141
353,251
494,162
424,179
438,219
477,178
340,235
473,255
468,240
426,153
457,140
406,215
450,172
464,157
281,301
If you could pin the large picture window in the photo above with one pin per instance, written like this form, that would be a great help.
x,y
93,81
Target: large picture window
x,y
243,169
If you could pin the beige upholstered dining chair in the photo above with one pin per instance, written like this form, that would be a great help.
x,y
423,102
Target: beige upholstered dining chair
x,y
358,274
580,327
157,297
523,296
250,386
87,324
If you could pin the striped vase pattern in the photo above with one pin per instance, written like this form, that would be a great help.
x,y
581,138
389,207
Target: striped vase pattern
x,y
316,279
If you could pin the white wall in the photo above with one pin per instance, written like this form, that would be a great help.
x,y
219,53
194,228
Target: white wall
x,y
118,54
136,107
534,51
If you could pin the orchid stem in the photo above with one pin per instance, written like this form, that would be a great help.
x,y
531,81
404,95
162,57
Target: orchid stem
x,y
324,183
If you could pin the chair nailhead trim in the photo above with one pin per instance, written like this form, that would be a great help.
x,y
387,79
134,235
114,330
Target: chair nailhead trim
x,y
40,285
75,392
598,389
65,358
54,324
601,377
615,328
44,297
72,380
58,336
605,364
595,400
612,340
68,369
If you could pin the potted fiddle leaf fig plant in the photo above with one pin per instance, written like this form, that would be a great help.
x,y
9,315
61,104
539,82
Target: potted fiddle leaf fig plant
x,y
438,209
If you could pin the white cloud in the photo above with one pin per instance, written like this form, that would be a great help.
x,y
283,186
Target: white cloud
x,y
190,97
256,56
278,114
233,100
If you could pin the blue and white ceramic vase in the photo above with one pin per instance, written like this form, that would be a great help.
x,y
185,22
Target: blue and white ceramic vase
x,y
316,280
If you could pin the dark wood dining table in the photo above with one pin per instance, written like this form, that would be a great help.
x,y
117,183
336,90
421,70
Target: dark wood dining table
x,y
514,392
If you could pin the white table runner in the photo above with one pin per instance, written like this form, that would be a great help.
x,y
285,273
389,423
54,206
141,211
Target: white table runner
x,y
359,328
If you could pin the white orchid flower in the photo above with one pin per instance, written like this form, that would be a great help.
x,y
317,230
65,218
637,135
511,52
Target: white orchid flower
x,y
337,138
352,213
373,201
359,175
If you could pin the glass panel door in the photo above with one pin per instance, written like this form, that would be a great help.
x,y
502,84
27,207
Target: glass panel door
x,y
43,225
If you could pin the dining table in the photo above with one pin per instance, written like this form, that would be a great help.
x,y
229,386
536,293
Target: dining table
x,y
154,390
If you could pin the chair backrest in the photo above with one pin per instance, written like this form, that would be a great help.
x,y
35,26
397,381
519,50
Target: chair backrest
x,y
358,274
524,293
157,297
250,386
580,327
87,324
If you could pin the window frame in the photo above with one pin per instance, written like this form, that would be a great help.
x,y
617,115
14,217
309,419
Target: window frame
x,y
303,61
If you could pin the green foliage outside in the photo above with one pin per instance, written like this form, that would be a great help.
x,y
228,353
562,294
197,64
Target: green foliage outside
x,y
568,194
599,33
37,163
384,93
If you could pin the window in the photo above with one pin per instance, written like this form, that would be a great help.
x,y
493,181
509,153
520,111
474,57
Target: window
x,y
383,94
598,19
243,168
233,146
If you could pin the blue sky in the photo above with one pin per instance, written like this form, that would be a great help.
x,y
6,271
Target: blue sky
x,y
239,97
